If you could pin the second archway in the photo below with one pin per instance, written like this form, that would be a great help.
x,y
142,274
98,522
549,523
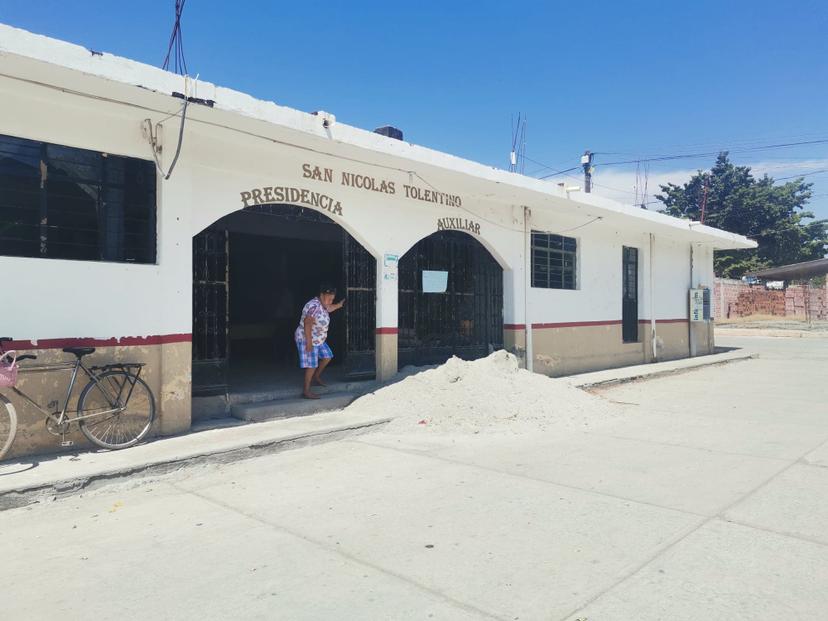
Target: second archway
x,y
450,300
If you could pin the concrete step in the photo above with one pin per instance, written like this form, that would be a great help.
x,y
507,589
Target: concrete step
x,y
287,408
290,391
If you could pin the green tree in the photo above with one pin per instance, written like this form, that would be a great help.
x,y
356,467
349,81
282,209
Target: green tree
x,y
736,201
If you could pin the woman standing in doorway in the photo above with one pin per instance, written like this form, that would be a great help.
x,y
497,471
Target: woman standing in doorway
x,y
311,334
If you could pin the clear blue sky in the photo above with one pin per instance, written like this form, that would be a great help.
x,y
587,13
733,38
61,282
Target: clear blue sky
x,y
625,79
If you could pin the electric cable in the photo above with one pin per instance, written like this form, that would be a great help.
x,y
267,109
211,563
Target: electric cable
x,y
176,44
672,157
664,158
815,172
559,172
153,137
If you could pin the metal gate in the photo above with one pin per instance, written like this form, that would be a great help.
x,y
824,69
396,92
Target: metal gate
x,y
211,297
466,320
629,303
211,311
360,278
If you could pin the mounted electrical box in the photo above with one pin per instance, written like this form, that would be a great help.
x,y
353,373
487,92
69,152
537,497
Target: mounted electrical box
x,y
700,304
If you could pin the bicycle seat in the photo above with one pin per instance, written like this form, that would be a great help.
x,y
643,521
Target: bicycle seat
x,y
80,352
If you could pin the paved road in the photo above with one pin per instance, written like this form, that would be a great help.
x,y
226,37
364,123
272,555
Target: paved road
x,y
707,500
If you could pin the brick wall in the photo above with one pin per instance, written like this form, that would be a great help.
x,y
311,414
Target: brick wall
x,y
725,294
819,303
733,298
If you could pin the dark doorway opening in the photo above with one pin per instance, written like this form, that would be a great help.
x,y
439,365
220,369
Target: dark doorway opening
x,y
253,271
629,303
456,307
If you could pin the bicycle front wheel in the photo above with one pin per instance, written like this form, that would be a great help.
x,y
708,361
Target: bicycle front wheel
x,y
8,425
116,411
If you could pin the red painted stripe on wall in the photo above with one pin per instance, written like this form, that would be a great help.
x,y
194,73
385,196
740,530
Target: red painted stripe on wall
x,y
124,341
584,324
514,326
388,330
575,324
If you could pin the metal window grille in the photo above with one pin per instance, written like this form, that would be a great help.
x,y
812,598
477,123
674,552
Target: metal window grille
x,y
60,202
553,261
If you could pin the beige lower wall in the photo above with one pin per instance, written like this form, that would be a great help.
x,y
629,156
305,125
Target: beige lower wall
x,y
167,373
386,356
704,337
514,341
672,340
174,399
561,351
557,351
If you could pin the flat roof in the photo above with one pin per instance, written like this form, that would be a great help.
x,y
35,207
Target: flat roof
x,y
245,113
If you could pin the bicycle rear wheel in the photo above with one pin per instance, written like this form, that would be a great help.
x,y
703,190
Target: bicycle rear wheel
x,y
8,425
116,411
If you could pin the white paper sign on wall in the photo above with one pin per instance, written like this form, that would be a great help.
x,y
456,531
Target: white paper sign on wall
x,y
435,281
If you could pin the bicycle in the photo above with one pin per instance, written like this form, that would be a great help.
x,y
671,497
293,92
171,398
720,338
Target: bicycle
x,y
115,409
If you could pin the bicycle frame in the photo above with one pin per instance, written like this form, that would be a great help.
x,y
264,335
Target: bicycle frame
x,y
117,405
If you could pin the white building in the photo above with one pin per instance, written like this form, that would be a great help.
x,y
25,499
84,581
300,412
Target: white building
x,y
201,275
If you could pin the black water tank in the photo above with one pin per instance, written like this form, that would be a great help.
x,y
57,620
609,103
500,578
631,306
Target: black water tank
x,y
391,132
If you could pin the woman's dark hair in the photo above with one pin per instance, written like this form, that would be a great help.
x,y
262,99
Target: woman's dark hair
x,y
327,287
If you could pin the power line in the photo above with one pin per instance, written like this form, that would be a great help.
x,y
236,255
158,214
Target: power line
x,y
664,158
517,156
815,172
724,145
560,172
176,45
542,165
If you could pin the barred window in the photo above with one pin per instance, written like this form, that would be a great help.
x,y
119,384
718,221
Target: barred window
x,y
553,261
60,202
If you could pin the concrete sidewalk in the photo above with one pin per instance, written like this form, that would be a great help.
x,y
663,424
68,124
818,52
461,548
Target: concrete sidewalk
x,y
35,479
656,369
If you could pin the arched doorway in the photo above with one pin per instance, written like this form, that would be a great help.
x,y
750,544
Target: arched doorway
x,y
450,300
253,270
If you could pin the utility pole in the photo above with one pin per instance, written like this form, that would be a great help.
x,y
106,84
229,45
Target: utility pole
x,y
586,162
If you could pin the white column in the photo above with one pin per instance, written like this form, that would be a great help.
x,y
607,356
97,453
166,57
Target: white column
x,y
387,315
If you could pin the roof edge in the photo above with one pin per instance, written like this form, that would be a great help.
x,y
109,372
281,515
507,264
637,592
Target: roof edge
x,y
19,42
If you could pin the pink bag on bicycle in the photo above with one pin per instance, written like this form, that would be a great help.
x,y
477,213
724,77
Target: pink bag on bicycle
x,y
8,369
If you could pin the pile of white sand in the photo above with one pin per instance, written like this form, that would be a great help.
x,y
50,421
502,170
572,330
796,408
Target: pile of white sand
x,y
488,395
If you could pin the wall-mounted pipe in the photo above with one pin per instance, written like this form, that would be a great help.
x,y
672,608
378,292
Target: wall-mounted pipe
x,y
527,284
653,336
690,335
